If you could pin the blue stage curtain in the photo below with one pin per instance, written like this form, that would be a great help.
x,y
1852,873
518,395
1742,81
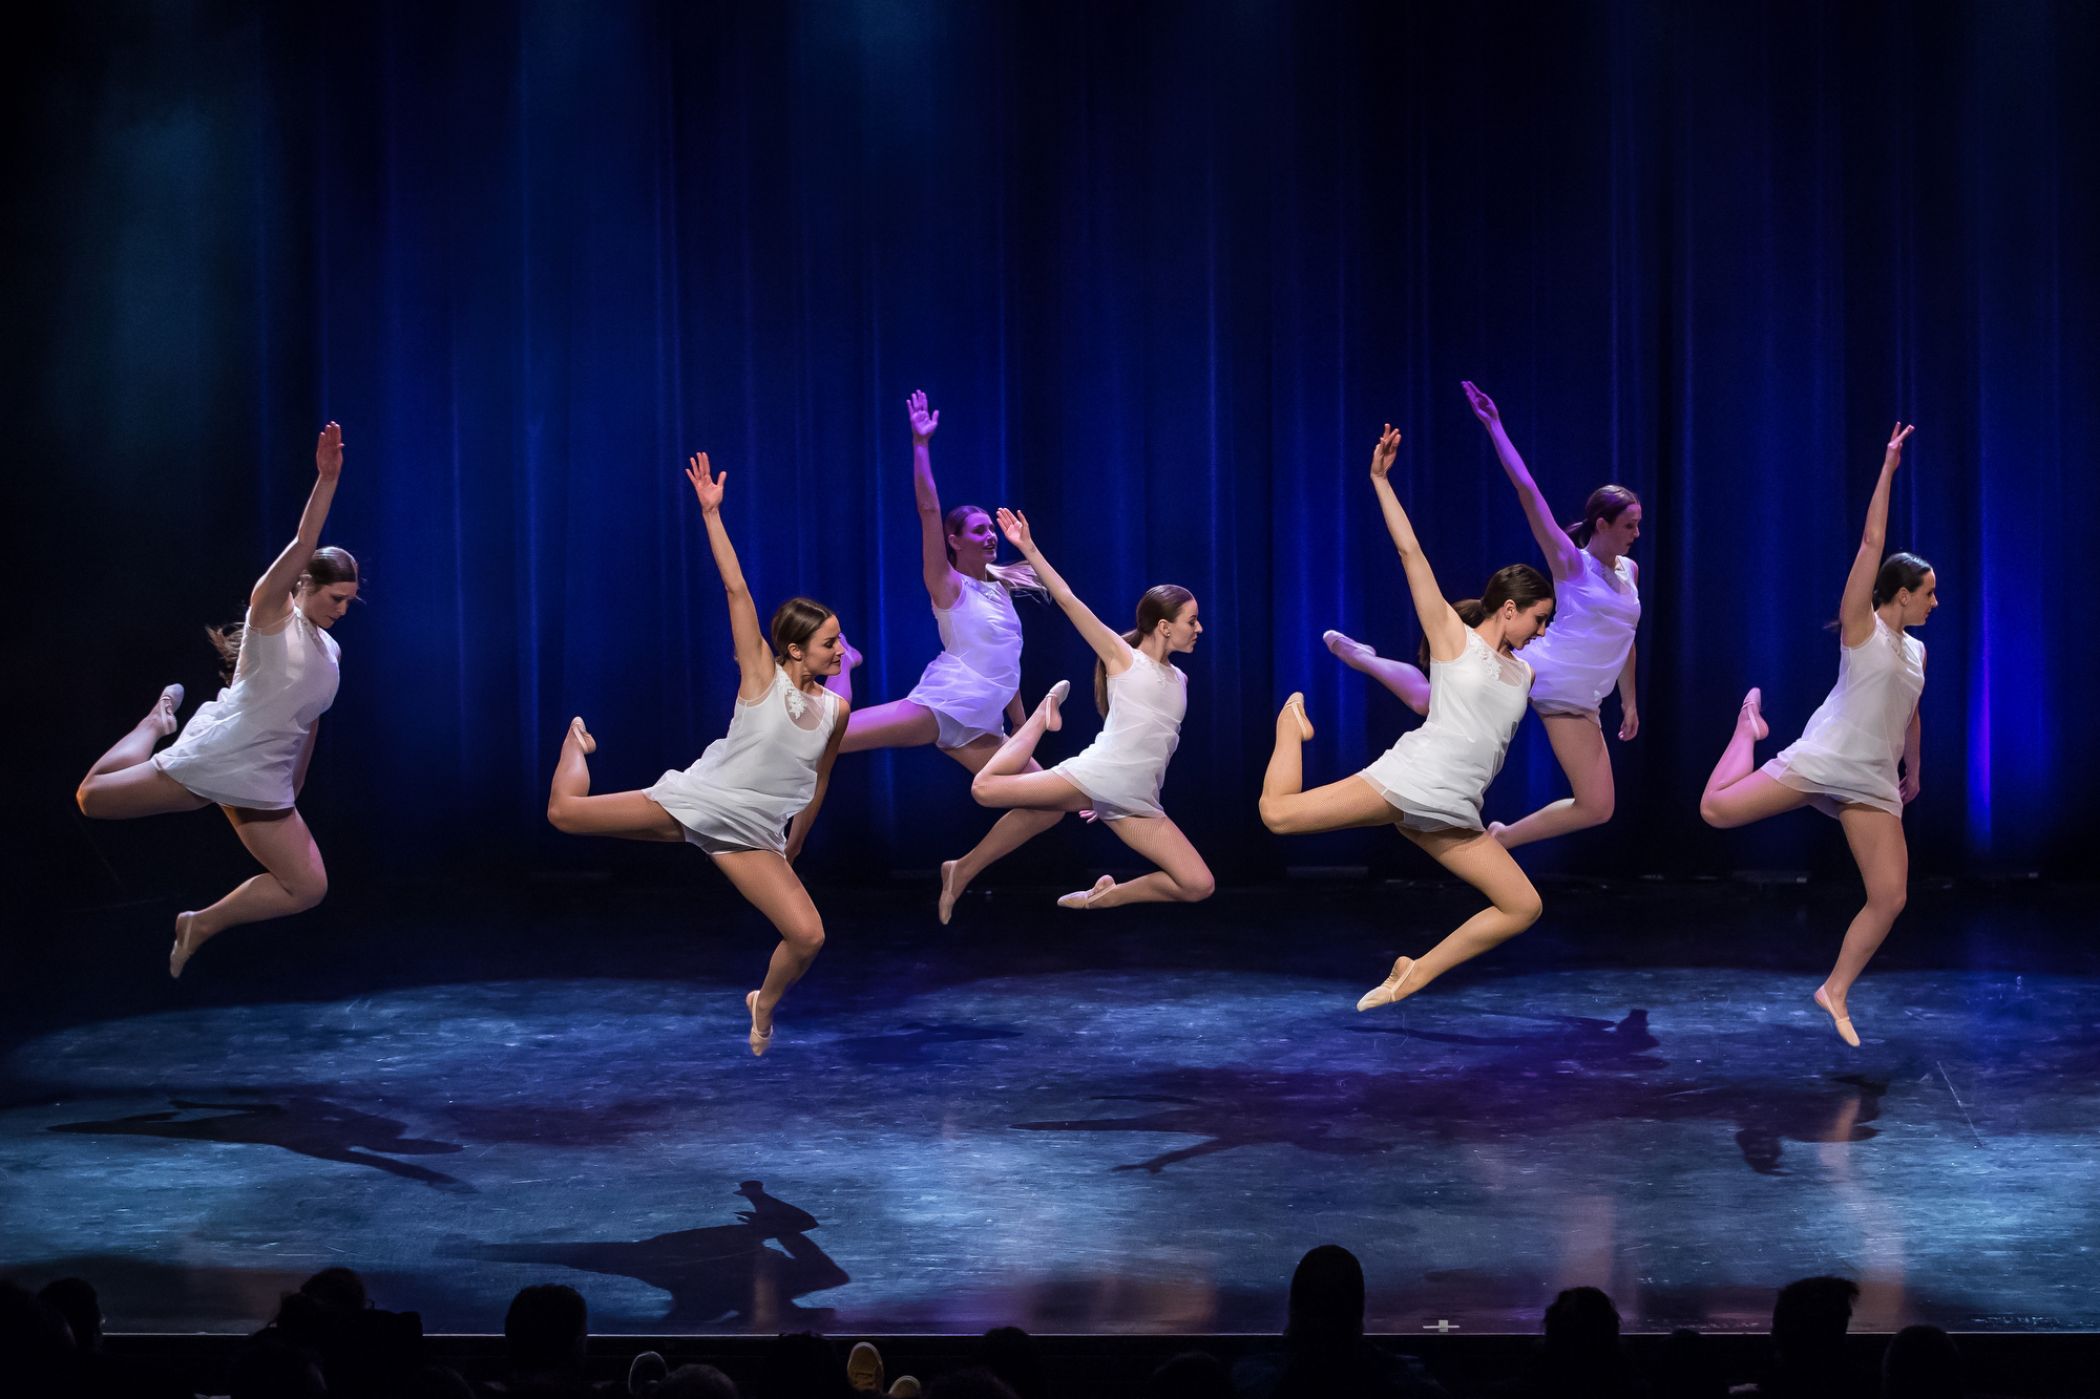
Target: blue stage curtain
x,y
1164,269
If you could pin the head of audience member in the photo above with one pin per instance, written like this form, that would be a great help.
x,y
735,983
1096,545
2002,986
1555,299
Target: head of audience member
x,y
1809,1322
800,1365
75,1300
694,1382
1327,1299
546,1330
274,1369
1582,1327
36,1346
1193,1374
337,1289
1012,1355
975,1383
1921,1363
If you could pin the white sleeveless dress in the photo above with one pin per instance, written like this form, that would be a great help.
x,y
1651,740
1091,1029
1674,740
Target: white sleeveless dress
x,y
1122,770
978,671
242,749
1436,775
750,783
1577,660
1854,740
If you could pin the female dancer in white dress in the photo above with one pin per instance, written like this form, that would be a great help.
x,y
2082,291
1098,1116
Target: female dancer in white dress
x,y
1846,762
1589,652
769,772
1429,784
1143,695
972,689
247,751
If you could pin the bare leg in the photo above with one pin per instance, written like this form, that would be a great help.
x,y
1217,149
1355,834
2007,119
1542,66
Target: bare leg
x,y
123,783
1884,865
572,809
293,881
769,883
1737,793
898,724
1579,744
1404,680
1288,809
1008,834
1182,877
1480,860
1006,779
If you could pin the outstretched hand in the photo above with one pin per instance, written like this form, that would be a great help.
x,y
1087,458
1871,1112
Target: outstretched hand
x,y
1014,526
1629,723
1483,407
707,483
1898,435
923,423
1382,455
328,452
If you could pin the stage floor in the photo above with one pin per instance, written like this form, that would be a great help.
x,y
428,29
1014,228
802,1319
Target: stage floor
x,y
1124,1122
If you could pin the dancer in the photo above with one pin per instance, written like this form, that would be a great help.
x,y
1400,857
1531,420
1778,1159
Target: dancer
x,y
1429,784
770,771
1143,695
1589,651
1846,762
972,689
248,750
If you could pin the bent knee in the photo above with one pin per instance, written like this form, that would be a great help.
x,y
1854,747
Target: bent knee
x,y
89,800
1277,816
807,938
1715,814
1524,910
1888,901
562,816
307,890
981,789
1196,890
1595,811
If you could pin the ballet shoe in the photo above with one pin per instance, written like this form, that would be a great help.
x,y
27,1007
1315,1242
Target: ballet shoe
x,y
1084,898
1843,1023
183,949
170,702
1295,707
1753,705
761,1040
1052,720
948,893
1388,991
1338,642
582,736
852,656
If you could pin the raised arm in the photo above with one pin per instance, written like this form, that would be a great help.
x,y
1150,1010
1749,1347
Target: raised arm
x,y
1563,554
1440,624
270,601
754,658
933,530
1108,643
1856,608
798,829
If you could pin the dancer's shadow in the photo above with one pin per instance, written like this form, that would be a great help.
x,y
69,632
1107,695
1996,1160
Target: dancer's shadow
x,y
301,1124
1588,1040
715,1274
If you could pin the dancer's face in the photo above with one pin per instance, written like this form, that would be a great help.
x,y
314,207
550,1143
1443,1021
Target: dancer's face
x,y
825,652
1520,627
325,605
976,542
1914,605
1182,629
1617,536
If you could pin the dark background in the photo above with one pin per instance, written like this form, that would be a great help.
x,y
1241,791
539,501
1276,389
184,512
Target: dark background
x,y
1164,269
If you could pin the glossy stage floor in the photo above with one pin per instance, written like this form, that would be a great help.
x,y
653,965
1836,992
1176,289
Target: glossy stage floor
x,y
1123,1122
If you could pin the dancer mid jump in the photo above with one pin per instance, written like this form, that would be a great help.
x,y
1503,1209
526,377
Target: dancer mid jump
x,y
1858,758
1143,696
972,689
1429,784
1588,653
248,750
770,771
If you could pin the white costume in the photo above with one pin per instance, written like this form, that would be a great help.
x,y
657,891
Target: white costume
x,y
1122,769
978,672
750,783
242,749
1577,660
1436,775
1851,746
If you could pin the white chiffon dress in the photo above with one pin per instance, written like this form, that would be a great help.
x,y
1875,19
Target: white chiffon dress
x,y
242,749
1849,752
969,685
749,783
1122,770
1436,775
1577,660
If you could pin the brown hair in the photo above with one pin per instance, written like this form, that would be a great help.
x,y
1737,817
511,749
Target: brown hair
x,y
1161,603
1014,577
329,565
1519,583
795,622
1606,503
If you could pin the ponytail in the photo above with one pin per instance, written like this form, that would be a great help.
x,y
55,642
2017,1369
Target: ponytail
x,y
1161,603
1606,503
1519,583
329,564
